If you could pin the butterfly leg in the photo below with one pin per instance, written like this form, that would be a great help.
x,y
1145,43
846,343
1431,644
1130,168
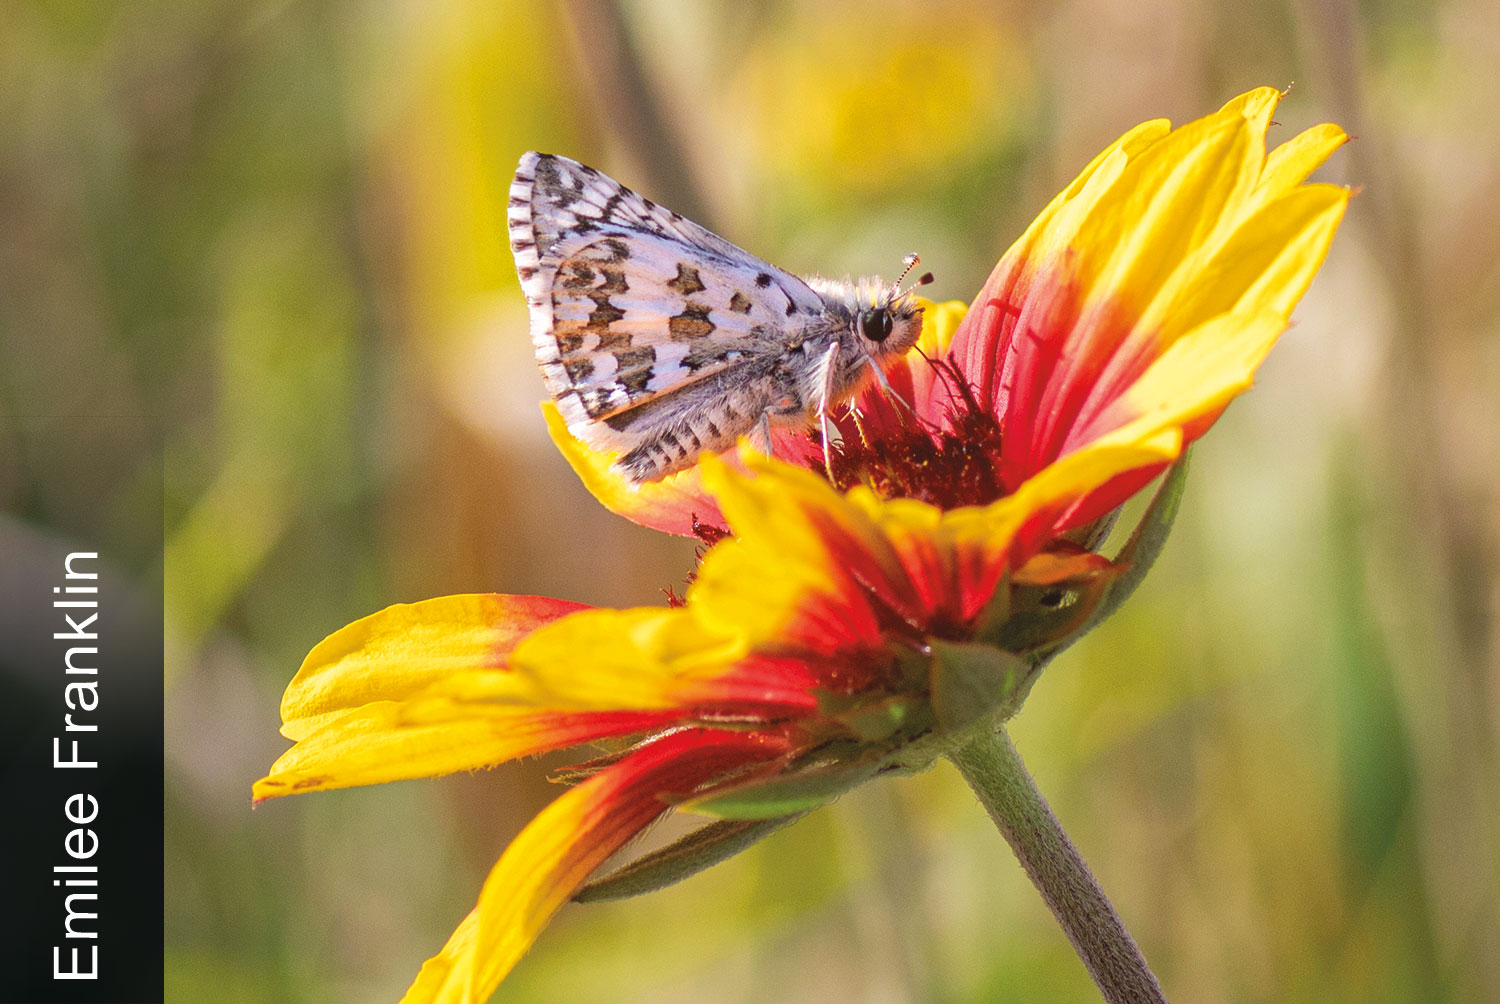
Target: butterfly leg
x,y
760,436
885,385
826,372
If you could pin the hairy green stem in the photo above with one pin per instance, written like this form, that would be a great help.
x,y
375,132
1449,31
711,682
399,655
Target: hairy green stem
x,y
994,770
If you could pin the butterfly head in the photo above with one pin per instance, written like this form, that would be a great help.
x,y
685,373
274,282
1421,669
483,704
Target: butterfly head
x,y
887,326
886,318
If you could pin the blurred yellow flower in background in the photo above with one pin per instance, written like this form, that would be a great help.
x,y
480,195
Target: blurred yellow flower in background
x,y
829,112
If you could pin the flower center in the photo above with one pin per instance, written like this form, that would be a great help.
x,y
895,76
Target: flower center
x,y
948,463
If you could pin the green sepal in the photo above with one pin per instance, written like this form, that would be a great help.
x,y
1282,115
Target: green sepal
x,y
1144,546
993,617
683,858
875,721
784,794
1045,617
973,680
1043,620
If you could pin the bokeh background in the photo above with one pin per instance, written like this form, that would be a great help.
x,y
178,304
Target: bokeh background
x,y
273,232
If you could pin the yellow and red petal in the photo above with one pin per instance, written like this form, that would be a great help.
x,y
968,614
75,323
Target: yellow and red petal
x,y
980,346
804,566
835,576
396,741
567,841
429,688
1159,238
1021,525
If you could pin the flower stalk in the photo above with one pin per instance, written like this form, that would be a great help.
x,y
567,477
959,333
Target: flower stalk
x,y
993,768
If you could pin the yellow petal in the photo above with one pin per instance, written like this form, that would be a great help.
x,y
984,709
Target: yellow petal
x,y
1269,261
379,742
939,322
668,505
641,658
801,549
1131,144
401,650
1289,164
1143,242
1255,105
448,977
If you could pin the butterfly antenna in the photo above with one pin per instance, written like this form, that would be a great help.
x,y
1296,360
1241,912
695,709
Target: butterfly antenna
x,y
910,262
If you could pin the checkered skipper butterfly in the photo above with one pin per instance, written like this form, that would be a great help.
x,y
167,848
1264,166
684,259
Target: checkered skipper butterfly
x,y
662,341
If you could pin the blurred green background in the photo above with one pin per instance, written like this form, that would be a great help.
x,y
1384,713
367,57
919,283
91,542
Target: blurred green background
x,y
276,230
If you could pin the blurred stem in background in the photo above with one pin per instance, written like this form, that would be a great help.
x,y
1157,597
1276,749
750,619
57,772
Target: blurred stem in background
x,y
609,60
1427,534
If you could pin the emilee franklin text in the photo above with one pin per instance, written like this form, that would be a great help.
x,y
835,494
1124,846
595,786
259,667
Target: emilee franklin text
x,y
78,602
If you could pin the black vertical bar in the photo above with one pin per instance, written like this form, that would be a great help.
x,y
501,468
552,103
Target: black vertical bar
x,y
80,663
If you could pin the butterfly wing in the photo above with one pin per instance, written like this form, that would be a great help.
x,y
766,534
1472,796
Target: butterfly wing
x,y
645,324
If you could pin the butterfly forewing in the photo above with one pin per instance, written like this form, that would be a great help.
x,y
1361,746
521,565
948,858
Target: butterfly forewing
x,y
656,337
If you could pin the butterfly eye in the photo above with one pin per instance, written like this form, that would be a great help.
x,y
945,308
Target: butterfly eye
x,y
876,325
